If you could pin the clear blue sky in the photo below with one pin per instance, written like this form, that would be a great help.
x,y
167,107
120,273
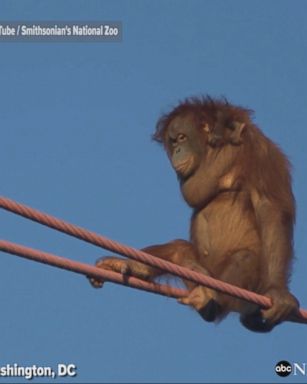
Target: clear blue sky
x,y
76,121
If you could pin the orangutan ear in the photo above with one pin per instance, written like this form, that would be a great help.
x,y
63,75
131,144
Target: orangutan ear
x,y
237,129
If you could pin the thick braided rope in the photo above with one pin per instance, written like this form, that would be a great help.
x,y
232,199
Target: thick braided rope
x,y
111,245
89,270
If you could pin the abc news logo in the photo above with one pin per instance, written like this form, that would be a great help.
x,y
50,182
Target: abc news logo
x,y
284,368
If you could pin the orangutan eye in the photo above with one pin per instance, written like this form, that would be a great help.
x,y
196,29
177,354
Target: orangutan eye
x,y
181,138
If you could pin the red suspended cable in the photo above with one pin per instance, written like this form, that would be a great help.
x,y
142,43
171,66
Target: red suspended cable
x,y
89,270
111,245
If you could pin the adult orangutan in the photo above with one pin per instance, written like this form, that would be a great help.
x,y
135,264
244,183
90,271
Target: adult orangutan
x,y
238,183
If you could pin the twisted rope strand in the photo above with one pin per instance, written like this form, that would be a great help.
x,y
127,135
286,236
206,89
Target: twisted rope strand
x,y
111,245
89,270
